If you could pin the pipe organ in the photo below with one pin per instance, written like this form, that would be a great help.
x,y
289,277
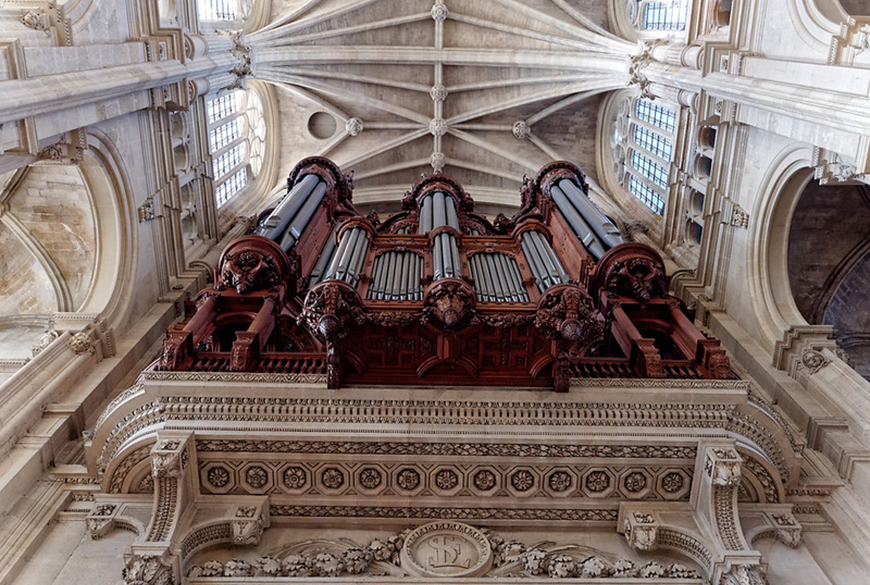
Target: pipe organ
x,y
439,294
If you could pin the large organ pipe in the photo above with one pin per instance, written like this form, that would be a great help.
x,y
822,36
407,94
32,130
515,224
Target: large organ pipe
x,y
538,268
603,227
578,224
348,259
283,214
303,217
323,260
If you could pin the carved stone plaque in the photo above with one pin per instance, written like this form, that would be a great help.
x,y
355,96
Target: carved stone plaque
x,y
446,549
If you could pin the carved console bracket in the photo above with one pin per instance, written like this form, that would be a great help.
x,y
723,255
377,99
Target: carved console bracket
x,y
799,348
711,535
109,514
173,467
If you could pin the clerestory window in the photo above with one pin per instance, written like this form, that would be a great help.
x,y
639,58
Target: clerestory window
x,y
649,144
237,132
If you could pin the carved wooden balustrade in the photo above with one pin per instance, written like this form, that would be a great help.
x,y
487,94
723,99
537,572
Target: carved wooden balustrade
x,y
439,295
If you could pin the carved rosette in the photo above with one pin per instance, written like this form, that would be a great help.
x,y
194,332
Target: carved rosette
x,y
450,304
331,310
252,263
566,313
631,270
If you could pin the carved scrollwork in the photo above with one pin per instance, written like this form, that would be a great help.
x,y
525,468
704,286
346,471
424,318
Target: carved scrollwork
x,y
252,263
638,278
450,304
566,313
331,309
631,270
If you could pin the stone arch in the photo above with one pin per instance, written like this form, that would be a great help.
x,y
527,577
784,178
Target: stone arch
x,y
768,284
817,21
114,210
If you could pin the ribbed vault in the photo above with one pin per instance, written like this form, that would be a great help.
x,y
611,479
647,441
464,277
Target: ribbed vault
x,y
482,90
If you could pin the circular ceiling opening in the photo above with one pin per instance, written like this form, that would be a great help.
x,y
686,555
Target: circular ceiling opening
x,y
322,125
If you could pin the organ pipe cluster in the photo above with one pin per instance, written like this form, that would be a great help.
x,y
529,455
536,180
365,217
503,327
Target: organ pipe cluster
x,y
596,232
542,260
497,278
396,276
347,260
439,210
287,222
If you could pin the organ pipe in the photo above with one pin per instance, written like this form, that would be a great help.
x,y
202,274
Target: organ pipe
x,y
288,220
348,260
603,227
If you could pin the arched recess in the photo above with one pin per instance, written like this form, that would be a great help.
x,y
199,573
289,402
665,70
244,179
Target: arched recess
x,y
111,291
817,21
767,269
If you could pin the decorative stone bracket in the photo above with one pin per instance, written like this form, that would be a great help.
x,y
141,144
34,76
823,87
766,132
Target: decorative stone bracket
x,y
249,522
713,537
106,516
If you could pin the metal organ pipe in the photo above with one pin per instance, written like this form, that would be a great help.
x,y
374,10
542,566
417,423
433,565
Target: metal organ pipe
x,y
324,259
578,224
348,259
396,277
497,278
538,269
603,227
287,209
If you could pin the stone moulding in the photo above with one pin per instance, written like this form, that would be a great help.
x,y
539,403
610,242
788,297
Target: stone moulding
x,y
635,410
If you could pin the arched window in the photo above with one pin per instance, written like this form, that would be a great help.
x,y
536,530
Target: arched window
x,y
648,146
236,135
662,15
223,10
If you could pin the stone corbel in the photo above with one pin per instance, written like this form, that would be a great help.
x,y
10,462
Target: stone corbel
x,y
777,521
830,168
108,514
649,526
173,466
790,352
718,473
249,522
639,528
89,333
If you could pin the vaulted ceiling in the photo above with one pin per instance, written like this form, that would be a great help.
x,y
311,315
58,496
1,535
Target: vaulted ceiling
x,y
482,90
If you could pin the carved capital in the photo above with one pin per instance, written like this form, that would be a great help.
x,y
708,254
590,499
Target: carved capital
x,y
744,575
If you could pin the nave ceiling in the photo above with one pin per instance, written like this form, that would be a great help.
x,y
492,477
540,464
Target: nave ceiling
x,y
483,91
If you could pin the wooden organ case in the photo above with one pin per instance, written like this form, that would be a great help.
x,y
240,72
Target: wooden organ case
x,y
437,294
